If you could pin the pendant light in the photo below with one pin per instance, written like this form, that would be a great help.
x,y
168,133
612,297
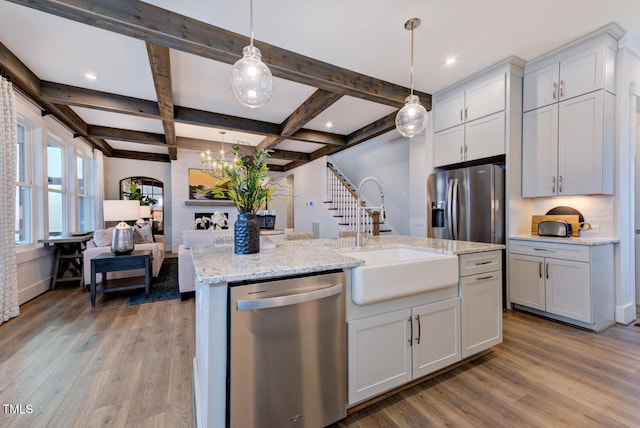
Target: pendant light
x,y
412,118
251,79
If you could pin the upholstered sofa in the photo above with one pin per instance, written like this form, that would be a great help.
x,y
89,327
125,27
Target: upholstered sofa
x,y
186,270
97,246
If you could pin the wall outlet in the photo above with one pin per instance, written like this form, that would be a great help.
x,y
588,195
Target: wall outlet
x,y
310,203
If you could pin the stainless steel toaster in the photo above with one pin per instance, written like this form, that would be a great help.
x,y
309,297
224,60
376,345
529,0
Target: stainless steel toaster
x,y
554,228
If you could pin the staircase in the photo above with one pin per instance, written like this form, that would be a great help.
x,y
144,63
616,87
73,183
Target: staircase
x,y
342,200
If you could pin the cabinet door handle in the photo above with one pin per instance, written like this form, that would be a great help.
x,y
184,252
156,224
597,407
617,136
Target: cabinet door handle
x,y
544,249
554,89
540,269
562,88
466,112
553,184
482,278
461,119
547,270
560,184
411,331
461,158
485,262
419,330
465,151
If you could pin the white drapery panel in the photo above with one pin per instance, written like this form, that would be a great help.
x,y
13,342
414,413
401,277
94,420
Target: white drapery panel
x,y
8,157
98,187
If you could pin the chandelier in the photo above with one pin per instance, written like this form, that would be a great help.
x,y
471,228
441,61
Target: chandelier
x,y
412,118
214,164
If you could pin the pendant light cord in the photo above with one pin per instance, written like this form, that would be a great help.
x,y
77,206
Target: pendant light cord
x,y
412,25
251,22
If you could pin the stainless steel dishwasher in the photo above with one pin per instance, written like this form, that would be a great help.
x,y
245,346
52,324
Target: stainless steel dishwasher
x,y
287,352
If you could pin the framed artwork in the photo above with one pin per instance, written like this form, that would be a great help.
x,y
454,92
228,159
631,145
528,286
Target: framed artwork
x,y
207,187
217,220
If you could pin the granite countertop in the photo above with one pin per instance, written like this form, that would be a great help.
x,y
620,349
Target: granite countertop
x,y
217,264
573,240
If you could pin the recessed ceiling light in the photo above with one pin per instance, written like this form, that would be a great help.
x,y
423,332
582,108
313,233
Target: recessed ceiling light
x,y
90,76
450,60
329,124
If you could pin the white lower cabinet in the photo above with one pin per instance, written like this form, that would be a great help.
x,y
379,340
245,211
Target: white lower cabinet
x,y
481,293
391,349
571,283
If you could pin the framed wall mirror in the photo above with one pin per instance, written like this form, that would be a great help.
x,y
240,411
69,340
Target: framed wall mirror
x,y
150,192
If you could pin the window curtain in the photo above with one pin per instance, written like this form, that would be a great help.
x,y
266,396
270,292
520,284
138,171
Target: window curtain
x,y
8,157
98,187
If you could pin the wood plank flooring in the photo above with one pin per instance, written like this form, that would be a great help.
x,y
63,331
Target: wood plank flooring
x,y
113,365
130,366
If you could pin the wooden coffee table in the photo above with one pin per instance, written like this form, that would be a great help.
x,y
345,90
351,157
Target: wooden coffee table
x,y
108,262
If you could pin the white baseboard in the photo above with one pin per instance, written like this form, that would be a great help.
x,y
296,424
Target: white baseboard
x,y
33,290
626,314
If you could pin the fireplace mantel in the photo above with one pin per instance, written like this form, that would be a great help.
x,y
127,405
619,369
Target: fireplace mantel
x,y
207,203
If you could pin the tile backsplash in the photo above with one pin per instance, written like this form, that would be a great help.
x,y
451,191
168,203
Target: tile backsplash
x,y
599,211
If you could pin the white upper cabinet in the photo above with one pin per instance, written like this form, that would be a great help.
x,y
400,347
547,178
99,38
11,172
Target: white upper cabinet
x,y
580,70
568,121
478,99
470,118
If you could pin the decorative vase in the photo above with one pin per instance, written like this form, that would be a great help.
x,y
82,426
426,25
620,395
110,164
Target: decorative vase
x,y
246,234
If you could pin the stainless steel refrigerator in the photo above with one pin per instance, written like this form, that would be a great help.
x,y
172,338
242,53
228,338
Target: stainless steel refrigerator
x,y
467,204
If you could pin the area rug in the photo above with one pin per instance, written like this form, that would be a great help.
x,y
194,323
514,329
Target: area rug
x,y
164,287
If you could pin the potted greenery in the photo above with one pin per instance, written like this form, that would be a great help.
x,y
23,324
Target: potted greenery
x,y
248,188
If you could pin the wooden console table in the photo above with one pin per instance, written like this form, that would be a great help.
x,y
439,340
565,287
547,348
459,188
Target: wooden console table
x,y
108,262
69,256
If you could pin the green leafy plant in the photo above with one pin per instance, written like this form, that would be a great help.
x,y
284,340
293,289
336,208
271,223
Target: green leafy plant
x,y
248,186
134,194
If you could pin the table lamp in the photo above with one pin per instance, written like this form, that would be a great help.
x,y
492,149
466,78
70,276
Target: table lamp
x,y
145,213
121,210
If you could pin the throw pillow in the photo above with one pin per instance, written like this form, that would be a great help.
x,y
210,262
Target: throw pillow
x,y
147,233
102,237
138,237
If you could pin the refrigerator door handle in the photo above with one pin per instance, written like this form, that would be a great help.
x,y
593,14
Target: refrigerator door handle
x,y
454,209
449,207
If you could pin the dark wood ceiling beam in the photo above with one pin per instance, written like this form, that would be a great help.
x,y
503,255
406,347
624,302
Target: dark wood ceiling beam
x,y
319,101
312,107
128,154
89,98
245,150
379,127
160,61
319,137
30,84
153,24
126,135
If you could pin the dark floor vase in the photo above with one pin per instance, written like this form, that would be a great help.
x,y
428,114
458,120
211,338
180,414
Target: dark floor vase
x,y
246,236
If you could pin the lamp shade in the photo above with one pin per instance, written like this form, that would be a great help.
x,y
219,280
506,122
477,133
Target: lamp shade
x,y
117,210
145,211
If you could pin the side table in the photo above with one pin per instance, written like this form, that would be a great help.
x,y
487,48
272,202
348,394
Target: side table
x,y
108,262
69,256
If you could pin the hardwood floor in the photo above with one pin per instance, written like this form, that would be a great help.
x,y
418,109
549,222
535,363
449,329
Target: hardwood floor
x,y
130,366
114,365
544,374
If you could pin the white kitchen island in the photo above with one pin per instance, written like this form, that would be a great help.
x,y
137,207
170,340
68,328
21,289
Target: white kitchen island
x,y
216,266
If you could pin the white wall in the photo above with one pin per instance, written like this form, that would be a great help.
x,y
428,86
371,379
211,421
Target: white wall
x,y
627,72
115,169
389,162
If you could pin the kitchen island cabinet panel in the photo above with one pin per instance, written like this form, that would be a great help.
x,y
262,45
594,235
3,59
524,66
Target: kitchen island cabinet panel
x,y
379,354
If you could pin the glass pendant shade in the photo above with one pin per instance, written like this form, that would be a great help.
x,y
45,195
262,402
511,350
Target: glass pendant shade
x,y
412,118
251,79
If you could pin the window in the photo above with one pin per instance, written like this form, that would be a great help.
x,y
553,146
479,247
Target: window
x,y
150,192
23,228
85,200
56,189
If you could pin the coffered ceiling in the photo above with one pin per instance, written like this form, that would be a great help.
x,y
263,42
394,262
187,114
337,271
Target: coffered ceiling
x,y
162,67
